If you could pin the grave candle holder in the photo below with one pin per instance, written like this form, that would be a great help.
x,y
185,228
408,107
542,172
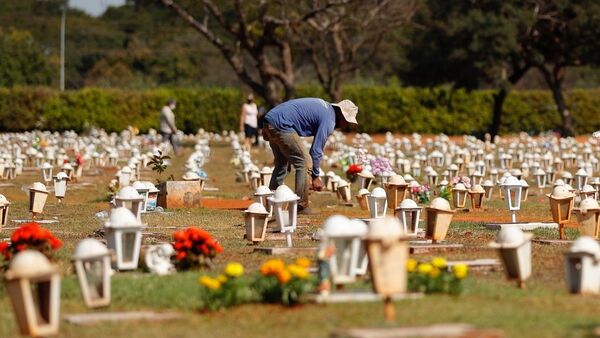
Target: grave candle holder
x,y
47,172
60,186
33,286
91,260
361,198
582,266
346,237
377,203
123,232
512,190
459,194
588,217
37,198
524,190
344,192
365,178
581,178
396,191
514,248
439,216
285,208
261,195
476,195
256,218
125,176
488,186
4,207
265,175
561,205
129,198
408,214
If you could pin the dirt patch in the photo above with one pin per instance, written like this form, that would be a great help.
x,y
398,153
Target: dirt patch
x,y
225,204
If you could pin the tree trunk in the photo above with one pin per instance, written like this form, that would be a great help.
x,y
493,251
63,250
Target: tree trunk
x,y
554,82
499,99
335,91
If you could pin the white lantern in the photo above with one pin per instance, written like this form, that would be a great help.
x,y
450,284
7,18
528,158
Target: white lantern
x,y
409,214
255,180
256,218
514,248
432,177
37,198
33,286
512,195
377,203
142,188
494,174
524,190
265,175
459,194
123,233
67,168
4,206
285,208
92,265
582,266
327,180
540,179
416,169
582,178
60,185
129,198
567,177
47,172
125,176
346,237
261,196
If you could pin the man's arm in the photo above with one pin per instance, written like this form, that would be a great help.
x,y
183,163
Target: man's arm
x,y
316,150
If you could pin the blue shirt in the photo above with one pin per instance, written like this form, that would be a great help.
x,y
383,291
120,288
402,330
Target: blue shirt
x,y
306,117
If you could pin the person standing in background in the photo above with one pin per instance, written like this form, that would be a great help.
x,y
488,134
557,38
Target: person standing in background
x,y
168,129
249,121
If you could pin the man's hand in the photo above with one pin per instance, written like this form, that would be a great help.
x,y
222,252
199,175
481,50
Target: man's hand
x,y
317,184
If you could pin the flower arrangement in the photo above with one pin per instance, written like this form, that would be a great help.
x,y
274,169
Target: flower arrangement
x,y
380,165
194,248
461,179
285,284
421,193
353,171
435,277
276,282
30,236
228,289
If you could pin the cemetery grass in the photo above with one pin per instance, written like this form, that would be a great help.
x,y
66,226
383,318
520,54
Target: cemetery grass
x,y
543,309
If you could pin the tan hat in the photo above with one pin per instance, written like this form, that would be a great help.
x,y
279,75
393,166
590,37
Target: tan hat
x,y
349,110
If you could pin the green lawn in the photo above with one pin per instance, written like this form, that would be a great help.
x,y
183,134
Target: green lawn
x,y
543,309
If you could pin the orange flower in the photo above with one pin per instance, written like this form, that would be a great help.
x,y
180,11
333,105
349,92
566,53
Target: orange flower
x,y
284,276
303,262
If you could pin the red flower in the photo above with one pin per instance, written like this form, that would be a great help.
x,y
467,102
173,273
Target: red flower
x,y
354,169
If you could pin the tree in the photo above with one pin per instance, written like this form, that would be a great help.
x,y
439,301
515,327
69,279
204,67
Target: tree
x,y
470,44
565,34
254,38
22,61
342,39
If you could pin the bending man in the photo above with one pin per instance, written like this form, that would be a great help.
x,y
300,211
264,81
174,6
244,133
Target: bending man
x,y
287,122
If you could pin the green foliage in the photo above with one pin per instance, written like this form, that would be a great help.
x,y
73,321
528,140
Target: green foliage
x,y
382,108
22,61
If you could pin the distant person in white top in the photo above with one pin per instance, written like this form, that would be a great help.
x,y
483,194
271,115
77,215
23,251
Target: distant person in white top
x,y
168,129
249,121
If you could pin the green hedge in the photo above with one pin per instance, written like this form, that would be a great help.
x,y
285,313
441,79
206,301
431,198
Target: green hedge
x,y
406,110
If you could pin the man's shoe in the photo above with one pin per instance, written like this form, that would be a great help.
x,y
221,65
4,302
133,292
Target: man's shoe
x,y
307,211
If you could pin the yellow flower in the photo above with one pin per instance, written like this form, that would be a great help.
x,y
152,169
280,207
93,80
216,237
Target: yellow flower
x,y
434,272
411,265
298,271
460,271
222,278
439,262
425,268
209,283
303,262
234,269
